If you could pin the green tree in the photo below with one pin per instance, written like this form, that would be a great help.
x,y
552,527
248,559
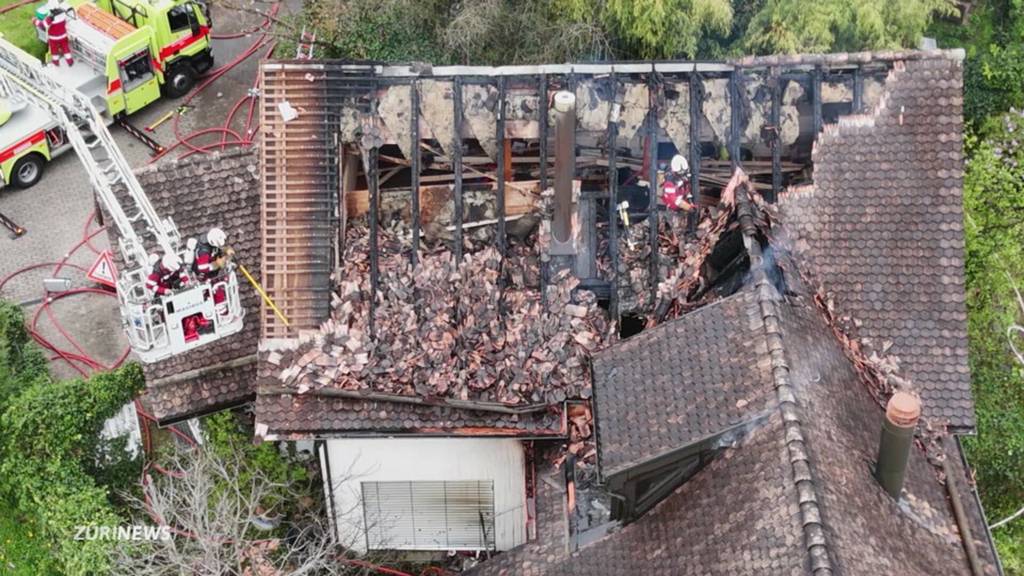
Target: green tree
x,y
21,363
48,436
793,26
655,29
994,226
994,68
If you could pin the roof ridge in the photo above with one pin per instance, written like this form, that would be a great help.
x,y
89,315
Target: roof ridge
x,y
176,163
813,526
847,58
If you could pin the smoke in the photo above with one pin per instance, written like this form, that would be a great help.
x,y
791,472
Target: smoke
x,y
735,437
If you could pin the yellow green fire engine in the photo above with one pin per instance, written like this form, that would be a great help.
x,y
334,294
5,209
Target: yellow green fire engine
x,y
127,53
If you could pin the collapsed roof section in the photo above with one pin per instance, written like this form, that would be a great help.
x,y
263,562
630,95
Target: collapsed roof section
x,y
447,161
334,132
202,192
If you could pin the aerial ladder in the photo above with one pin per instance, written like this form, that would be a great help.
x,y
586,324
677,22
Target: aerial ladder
x,y
155,325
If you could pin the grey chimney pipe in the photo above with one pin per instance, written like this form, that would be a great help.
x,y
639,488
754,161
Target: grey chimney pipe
x,y
901,415
565,164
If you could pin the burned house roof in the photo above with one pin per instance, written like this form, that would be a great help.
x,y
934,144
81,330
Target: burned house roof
x,y
382,112
795,495
762,378
882,229
200,193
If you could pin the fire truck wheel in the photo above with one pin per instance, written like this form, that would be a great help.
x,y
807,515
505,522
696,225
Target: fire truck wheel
x,y
179,80
28,171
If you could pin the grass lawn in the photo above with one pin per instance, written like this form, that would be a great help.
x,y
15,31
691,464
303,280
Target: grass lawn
x,y
22,550
16,26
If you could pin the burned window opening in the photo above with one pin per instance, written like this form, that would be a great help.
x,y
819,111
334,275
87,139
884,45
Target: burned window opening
x,y
726,269
631,324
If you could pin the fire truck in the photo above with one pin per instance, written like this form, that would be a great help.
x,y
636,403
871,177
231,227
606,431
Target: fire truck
x,y
127,54
155,325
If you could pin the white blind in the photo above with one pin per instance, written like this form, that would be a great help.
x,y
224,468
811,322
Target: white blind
x,y
456,515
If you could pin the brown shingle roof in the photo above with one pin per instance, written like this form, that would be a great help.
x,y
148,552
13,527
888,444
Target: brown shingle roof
x,y
293,415
824,436
198,194
740,515
745,513
682,381
882,229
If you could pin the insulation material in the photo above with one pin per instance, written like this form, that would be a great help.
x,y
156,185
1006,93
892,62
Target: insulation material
x,y
674,114
836,92
593,101
759,109
350,125
789,114
873,88
479,103
437,110
394,109
716,107
635,104
523,106
523,114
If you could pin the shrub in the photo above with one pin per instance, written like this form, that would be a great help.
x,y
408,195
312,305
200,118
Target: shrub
x,y
48,433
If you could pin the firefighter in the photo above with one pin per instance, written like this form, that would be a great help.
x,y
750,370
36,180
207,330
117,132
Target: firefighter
x,y
210,258
675,190
167,275
210,255
56,27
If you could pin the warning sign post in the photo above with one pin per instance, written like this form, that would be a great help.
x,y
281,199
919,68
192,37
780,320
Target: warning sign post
x,y
103,271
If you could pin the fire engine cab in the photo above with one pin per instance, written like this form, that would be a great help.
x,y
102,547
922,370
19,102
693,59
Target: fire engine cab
x,y
156,325
126,54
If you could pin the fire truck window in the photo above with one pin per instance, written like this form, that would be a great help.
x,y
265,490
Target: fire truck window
x,y
178,18
135,70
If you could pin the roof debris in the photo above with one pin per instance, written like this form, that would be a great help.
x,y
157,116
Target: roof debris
x,y
443,330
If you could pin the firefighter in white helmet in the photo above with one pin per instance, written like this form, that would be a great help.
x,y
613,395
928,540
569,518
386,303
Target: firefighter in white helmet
x,y
168,275
675,190
55,26
211,257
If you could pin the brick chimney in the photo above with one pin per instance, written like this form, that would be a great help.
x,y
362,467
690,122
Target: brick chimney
x,y
901,416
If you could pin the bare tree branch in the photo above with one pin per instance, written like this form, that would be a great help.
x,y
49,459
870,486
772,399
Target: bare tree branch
x,y
219,523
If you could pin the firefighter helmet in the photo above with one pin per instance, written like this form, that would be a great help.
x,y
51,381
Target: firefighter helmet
x,y
171,262
216,237
679,164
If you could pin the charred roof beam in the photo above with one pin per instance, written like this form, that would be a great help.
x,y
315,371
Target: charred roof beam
x,y
735,117
414,166
613,222
775,135
652,178
695,118
457,165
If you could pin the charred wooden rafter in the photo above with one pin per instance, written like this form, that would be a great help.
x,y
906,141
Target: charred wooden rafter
x,y
414,167
696,102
